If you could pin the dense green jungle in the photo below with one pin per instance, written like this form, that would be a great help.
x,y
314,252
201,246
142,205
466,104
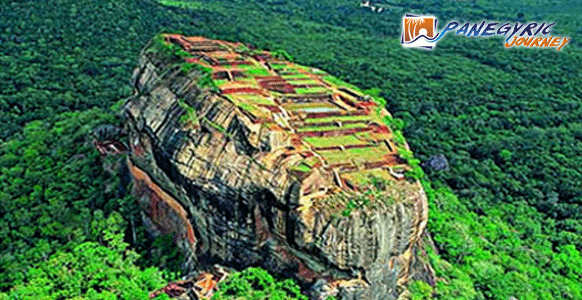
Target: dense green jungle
x,y
506,217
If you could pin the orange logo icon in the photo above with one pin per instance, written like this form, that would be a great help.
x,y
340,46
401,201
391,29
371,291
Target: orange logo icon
x,y
418,31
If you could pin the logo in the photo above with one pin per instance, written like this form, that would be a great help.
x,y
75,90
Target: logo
x,y
418,31
421,32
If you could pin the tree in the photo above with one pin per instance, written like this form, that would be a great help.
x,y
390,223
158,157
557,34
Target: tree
x,y
256,283
90,270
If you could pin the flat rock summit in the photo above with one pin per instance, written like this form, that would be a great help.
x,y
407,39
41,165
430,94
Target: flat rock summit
x,y
248,159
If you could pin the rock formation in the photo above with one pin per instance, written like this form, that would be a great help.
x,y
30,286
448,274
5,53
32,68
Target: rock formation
x,y
250,160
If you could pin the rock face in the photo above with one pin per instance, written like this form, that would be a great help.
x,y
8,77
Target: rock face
x,y
250,160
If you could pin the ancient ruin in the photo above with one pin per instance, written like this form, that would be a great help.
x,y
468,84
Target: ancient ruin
x,y
248,159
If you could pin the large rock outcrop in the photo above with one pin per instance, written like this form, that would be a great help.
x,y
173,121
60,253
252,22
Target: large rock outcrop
x,y
248,159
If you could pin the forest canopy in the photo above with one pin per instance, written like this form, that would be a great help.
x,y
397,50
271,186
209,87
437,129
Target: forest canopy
x,y
506,216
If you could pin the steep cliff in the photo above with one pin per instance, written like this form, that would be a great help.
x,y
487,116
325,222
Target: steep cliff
x,y
249,159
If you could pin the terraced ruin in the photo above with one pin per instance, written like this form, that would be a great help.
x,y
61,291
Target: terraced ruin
x,y
331,125
250,159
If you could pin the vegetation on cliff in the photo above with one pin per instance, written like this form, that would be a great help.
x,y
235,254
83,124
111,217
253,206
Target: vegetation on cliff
x,y
505,219
256,283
